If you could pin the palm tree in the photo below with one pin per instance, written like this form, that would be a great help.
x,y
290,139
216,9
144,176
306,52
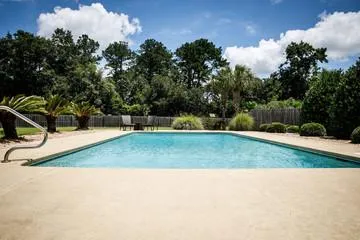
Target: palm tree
x,y
82,112
243,80
21,104
222,85
55,105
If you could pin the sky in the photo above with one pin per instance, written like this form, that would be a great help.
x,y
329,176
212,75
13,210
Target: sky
x,y
251,32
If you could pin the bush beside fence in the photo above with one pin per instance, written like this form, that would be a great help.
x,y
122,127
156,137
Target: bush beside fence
x,y
285,116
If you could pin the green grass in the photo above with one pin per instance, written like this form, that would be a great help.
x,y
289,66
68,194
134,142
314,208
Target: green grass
x,y
31,131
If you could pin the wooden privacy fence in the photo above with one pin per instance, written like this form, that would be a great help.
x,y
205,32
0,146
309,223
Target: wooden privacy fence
x,y
286,116
95,121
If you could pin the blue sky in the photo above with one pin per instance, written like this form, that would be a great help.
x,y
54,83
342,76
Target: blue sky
x,y
228,23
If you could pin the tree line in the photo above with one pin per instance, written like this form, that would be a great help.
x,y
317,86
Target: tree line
x,y
150,80
194,79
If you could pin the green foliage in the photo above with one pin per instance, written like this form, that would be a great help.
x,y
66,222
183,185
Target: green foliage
x,y
301,62
319,98
293,129
20,103
241,122
250,105
136,110
119,57
243,82
214,124
154,58
263,127
312,129
23,64
221,87
55,105
82,112
187,122
271,89
289,103
24,104
197,60
355,135
345,110
107,98
83,109
196,81
86,49
276,127
239,84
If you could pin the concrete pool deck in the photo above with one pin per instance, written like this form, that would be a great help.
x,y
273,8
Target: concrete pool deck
x,y
75,203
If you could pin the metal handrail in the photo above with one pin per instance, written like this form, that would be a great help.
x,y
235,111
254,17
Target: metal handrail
x,y
19,115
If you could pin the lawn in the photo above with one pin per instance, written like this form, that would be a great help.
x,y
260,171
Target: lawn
x,y
30,131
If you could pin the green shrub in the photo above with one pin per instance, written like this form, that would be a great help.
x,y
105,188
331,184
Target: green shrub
x,y
320,96
276,127
312,129
292,129
263,127
289,103
241,122
136,110
213,124
187,122
345,110
355,135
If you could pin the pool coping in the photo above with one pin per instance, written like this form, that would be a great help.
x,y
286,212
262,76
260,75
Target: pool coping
x,y
34,162
337,156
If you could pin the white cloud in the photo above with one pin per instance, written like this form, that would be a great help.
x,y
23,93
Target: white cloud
x,y
338,32
94,20
275,1
250,29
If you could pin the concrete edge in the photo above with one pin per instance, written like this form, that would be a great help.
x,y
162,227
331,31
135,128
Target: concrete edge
x,y
344,157
34,162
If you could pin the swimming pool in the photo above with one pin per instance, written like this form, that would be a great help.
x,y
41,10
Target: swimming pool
x,y
193,150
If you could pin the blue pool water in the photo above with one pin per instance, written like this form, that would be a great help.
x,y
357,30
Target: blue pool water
x,y
193,150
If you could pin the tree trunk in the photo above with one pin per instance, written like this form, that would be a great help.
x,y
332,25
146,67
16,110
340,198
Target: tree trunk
x,y
236,101
8,123
51,123
223,111
83,123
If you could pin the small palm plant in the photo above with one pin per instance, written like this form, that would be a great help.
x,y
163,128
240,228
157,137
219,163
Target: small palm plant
x,y
82,112
222,86
55,105
20,103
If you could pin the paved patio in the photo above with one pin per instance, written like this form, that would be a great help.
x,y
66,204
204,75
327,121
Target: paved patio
x,y
49,203
74,203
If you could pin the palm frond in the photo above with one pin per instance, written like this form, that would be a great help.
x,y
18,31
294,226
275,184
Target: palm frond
x,y
84,109
56,105
24,104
